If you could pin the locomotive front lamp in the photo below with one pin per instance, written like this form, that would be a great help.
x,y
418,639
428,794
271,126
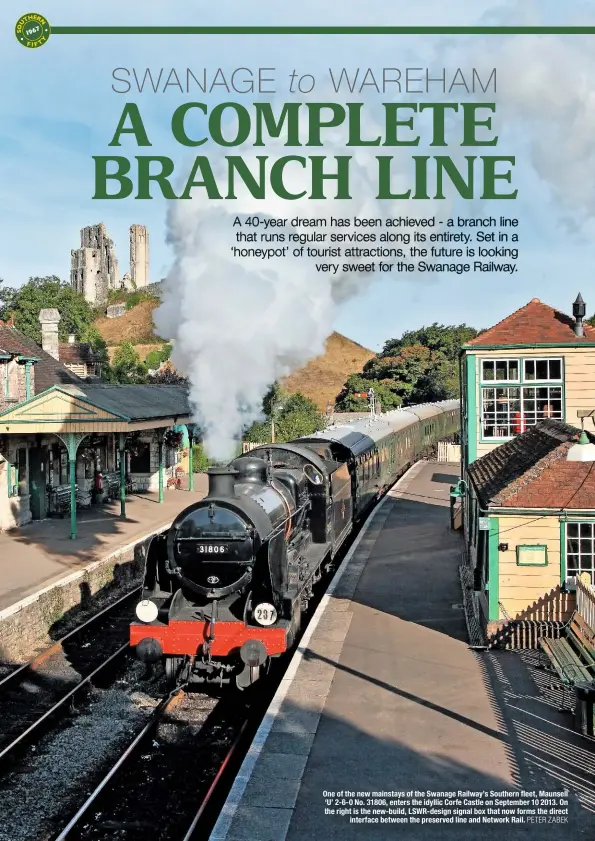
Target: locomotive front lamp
x,y
147,611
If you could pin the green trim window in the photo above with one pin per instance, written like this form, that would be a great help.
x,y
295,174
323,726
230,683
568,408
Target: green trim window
x,y
501,370
534,555
580,549
508,410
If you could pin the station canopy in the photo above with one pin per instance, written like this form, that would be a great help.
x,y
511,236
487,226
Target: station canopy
x,y
98,408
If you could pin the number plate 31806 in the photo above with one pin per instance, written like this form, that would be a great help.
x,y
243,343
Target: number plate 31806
x,y
211,549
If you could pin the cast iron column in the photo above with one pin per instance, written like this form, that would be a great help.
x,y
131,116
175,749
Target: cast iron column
x,y
191,427
122,444
71,441
160,436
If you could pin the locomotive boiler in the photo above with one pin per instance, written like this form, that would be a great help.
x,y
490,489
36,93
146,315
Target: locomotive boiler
x,y
225,588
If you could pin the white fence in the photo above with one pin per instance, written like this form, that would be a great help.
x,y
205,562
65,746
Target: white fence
x,y
248,445
449,452
585,599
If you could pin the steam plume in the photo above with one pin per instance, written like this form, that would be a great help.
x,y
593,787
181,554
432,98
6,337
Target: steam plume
x,y
240,324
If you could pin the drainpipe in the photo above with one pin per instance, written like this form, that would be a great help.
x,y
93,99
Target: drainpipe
x,y
27,380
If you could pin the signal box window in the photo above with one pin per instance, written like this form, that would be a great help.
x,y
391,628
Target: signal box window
x,y
509,410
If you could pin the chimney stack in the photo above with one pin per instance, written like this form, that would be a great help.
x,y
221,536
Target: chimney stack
x,y
579,308
49,320
222,481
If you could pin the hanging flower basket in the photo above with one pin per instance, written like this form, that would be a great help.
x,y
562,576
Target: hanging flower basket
x,y
173,439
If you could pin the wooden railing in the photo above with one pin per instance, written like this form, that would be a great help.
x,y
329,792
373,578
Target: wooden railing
x,y
585,599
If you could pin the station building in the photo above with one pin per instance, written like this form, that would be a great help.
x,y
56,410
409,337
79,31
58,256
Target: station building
x,y
58,430
528,468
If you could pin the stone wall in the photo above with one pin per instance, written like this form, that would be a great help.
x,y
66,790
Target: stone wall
x,y
14,510
139,256
41,619
150,481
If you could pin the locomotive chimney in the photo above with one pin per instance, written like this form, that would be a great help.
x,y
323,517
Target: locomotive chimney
x,y
221,481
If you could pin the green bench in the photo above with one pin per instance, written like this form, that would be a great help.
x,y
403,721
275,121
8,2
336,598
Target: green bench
x,y
573,655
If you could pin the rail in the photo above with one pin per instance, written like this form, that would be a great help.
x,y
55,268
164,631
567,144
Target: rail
x,y
12,682
147,731
192,832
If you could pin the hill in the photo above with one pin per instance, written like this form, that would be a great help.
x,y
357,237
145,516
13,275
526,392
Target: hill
x,y
136,325
323,377
320,380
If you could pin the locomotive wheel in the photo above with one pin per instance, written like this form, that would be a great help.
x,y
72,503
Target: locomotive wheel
x,y
172,669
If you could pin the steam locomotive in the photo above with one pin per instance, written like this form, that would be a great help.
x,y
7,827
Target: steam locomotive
x,y
225,587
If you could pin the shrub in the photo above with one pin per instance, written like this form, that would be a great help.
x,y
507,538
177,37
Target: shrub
x,y
201,461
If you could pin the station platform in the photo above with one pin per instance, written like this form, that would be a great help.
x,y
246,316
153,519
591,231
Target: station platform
x,y
385,695
41,554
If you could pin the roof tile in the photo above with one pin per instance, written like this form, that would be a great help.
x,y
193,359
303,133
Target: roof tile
x,y
531,471
48,371
78,352
535,323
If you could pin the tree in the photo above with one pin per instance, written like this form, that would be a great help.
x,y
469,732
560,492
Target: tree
x,y
167,376
420,367
156,357
384,392
437,337
294,416
76,314
95,340
126,366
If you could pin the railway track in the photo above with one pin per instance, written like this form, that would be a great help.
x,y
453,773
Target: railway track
x,y
171,780
32,694
167,777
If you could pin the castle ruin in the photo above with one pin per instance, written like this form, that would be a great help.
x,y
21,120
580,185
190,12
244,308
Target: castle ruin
x,y
94,266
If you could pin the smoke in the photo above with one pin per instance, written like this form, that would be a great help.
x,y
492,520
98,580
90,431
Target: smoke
x,y
239,324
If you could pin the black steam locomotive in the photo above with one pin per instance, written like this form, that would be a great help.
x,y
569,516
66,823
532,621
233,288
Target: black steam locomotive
x,y
226,586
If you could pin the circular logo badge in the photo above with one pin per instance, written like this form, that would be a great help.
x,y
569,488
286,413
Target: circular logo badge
x,y
32,30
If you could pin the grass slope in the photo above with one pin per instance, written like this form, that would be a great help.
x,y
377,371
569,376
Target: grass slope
x,y
320,380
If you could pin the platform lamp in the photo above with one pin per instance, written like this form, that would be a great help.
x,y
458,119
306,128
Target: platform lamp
x,y
457,491
192,429
160,433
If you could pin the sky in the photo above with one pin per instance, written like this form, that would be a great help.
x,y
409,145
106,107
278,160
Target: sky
x,y
58,109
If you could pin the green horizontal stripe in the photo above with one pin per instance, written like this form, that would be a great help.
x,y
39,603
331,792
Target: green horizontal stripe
x,y
323,30
533,345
